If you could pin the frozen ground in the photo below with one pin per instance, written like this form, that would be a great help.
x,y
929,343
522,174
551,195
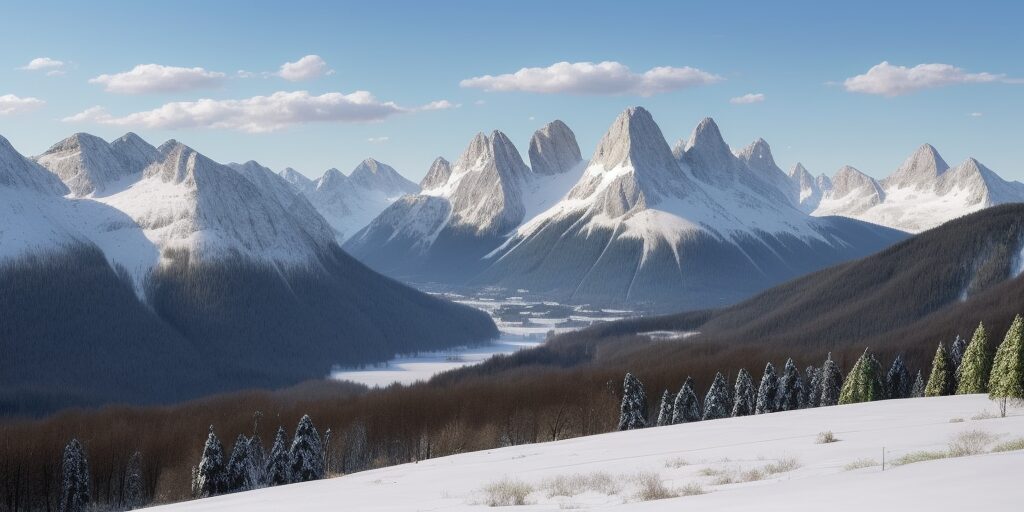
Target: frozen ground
x,y
774,462
523,323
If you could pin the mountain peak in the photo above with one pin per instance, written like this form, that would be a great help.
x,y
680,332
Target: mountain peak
x,y
707,135
438,174
634,139
920,170
799,170
374,175
16,171
553,149
331,179
88,164
758,155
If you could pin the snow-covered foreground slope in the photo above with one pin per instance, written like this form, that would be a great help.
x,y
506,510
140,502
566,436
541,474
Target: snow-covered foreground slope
x,y
705,454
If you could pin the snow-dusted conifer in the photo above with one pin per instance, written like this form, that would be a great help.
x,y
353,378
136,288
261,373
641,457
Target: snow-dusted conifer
x,y
1006,381
940,381
75,478
744,400
831,383
812,386
278,469
633,411
866,381
258,462
956,353
898,381
240,472
306,456
134,491
686,408
917,391
768,391
790,388
665,410
973,372
716,403
212,468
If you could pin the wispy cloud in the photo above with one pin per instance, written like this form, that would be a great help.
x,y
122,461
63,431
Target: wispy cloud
x,y
52,67
747,99
975,114
589,78
888,80
378,140
11,104
257,114
155,78
306,68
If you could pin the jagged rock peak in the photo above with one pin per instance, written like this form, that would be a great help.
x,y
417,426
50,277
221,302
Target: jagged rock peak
x,y
633,139
850,179
374,175
16,171
331,179
758,155
437,176
798,170
920,169
496,149
553,149
706,137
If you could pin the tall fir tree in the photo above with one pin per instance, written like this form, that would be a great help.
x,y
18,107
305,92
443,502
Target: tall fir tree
x,y
831,383
744,400
306,456
633,411
716,403
812,386
898,381
1006,381
278,468
866,381
790,388
240,472
258,460
768,391
211,477
134,487
917,390
74,478
665,410
973,372
957,349
940,381
686,408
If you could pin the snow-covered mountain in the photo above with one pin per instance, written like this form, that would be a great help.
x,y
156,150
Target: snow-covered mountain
x,y
466,211
180,264
921,194
350,202
690,229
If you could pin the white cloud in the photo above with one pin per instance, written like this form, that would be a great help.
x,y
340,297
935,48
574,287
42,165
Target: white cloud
x,y
241,73
43,63
440,105
479,103
11,104
154,78
747,99
975,114
888,80
306,68
590,78
378,140
255,115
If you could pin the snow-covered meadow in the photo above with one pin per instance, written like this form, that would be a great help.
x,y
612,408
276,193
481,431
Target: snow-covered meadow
x,y
769,462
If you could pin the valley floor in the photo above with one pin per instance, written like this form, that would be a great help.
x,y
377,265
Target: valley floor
x,y
764,463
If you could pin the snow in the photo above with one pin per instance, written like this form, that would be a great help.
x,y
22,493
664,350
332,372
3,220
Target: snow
x,y
682,454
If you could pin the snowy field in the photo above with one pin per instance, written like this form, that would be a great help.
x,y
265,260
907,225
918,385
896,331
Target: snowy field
x,y
522,323
764,463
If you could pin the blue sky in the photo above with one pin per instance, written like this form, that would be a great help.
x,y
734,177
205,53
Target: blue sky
x,y
796,54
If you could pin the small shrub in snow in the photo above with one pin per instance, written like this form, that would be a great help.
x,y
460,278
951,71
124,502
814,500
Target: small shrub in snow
x,y
956,420
751,475
724,478
572,485
676,463
1009,446
860,464
691,489
920,456
782,465
506,493
971,442
984,415
826,437
710,472
650,487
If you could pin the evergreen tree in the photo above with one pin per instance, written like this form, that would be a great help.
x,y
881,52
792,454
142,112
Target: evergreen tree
x,y
940,381
865,382
898,381
665,411
211,467
240,472
278,471
306,456
973,372
831,383
956,353
633,411
790,388
768,391
75,478
1006,381
744,401
258,463
134,491
716,403
812,386
917,391
686,408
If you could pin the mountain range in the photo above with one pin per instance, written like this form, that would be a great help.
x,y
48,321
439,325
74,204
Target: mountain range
x,y
143,274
